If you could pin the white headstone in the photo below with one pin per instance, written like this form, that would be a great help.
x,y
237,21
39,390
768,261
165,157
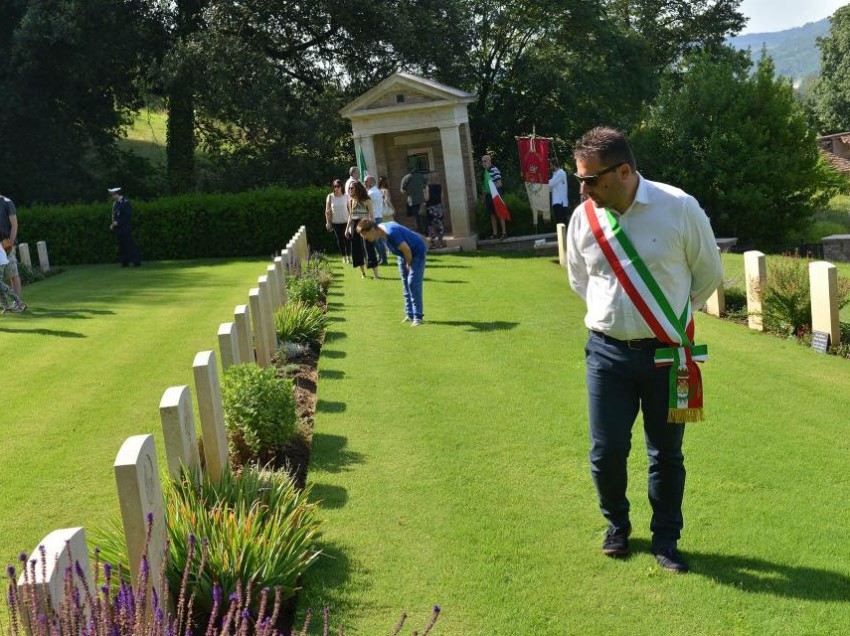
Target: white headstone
x,y
178,430
208,390
823,286
258,320
228,344
755,273
274,287
42,256
61,549
242,320
24,254
140,499
281,278
269,314
562,244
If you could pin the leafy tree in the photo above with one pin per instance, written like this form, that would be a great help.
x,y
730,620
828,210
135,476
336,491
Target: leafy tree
x,y
739,143
67,72
832,89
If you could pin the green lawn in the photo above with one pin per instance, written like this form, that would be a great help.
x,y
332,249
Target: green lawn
x,y
452,461
85,368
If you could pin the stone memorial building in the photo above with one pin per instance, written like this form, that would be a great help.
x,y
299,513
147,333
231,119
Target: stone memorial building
x,y
408,120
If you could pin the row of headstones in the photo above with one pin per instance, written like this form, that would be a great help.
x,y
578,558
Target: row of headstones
x,y
136,467
823,283
24,255
823,290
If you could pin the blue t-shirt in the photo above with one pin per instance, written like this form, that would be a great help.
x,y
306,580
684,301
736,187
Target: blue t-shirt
x,y
398,234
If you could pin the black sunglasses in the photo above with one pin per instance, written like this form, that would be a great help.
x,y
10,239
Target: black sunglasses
x,y
591,179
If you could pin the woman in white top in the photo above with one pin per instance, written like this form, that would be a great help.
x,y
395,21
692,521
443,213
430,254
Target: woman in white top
x,y
336,217
359,208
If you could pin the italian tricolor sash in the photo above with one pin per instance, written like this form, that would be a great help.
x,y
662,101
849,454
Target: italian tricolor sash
x,y
685,387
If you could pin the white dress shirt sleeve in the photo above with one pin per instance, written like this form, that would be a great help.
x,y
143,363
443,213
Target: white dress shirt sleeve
x,y
702,254
576,267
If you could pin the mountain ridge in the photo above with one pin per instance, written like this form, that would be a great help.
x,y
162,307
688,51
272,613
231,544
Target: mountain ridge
x,y
794,51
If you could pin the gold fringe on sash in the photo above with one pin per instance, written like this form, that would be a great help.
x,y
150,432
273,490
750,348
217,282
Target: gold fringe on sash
x,y
682,416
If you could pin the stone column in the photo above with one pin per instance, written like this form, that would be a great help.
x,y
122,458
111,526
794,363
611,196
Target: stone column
x,y
755,273
178,430
716,304
456,185
561,229
208,390
823,284
261,340
268,314
24,254
140,499
242,320
62,549
42,256
228,345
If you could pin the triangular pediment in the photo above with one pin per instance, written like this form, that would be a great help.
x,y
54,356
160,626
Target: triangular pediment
x,y
402,91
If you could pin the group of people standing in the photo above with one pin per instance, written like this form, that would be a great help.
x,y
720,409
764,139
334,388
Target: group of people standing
x,y
355,213
345,206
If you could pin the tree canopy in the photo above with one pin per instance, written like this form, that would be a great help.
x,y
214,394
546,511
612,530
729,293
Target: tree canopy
x,y
832,89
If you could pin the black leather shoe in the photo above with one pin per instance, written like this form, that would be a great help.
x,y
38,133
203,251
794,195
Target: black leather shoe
x,y
671,559
616,543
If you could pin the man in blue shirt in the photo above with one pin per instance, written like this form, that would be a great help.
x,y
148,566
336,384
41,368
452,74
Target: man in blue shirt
x,y
410,249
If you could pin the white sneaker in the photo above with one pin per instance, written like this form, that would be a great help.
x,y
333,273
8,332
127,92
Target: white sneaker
x,y
406,319
416,322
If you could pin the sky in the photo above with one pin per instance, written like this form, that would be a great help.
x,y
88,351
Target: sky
x,y
766,16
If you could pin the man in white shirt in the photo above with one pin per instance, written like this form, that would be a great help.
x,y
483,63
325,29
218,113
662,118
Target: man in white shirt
x,y
672,236
353,175
378,211
558,190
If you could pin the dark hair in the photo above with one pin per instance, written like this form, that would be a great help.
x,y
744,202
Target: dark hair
x,y
336,182
383,183
607,144
360,192
366,225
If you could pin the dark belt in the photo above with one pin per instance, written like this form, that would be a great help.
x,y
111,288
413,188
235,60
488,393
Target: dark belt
x,y
650,344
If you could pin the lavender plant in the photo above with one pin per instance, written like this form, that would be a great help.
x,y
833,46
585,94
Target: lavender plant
x,y
115,608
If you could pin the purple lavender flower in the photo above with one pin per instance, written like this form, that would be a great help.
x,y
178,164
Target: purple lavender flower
x,y
192,540
22,557
146,568
154,598
437,609
78,569
234,597
149,517
217,594
158,615
107,570
10,570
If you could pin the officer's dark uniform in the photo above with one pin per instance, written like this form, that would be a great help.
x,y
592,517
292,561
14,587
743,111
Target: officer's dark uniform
x,y
127,250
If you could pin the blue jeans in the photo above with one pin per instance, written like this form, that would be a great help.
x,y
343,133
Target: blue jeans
x,y
621,380
411,280
380,246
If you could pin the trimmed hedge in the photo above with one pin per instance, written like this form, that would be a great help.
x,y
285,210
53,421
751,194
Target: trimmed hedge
x,y
255,223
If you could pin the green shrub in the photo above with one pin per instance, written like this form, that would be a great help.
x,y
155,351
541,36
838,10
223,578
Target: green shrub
x,y
319,267
305,290
258,530
259,527
298,322
254,223
259,411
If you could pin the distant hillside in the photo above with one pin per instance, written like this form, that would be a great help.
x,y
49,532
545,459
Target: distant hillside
x,y
794,51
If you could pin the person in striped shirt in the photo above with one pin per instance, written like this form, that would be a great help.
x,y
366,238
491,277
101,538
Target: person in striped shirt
x,y
496,178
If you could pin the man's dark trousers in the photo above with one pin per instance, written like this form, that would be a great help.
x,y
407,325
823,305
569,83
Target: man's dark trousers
x,y
621,380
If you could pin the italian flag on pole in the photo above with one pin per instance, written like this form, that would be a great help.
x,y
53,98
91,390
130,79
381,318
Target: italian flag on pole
x,y
498,202
361,165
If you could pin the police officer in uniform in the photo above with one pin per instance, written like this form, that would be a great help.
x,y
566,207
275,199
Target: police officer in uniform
x,y
122,227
